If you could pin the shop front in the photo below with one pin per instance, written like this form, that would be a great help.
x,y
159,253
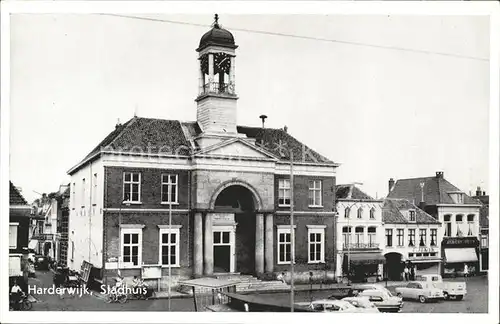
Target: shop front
x,y
458,253
364,266
426,260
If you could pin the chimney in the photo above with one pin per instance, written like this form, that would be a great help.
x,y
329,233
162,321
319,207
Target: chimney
x,y
440,174
263,117
484,193
478,191
285,129
391,184
118,124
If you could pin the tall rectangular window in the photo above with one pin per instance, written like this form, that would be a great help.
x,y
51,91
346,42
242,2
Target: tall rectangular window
x,y
401,239
94,189
388,237
411,237
315,193
316,245
372,236
433,236
83,192
73,195
284,192
132,246
359,233
131,187
284,246
423,237
169,246
412,216
447,225
13,235
169,188
484,240
346,234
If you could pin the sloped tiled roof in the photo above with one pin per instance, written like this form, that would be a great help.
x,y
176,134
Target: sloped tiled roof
x,y
149,135
350,191
15,197
392,212
436,191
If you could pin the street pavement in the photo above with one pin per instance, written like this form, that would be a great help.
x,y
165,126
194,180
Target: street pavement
x,y
476,300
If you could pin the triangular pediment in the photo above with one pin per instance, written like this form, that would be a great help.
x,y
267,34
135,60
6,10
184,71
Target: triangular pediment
x,y
237,148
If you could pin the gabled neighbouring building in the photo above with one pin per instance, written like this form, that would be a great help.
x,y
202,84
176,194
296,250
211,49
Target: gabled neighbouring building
x,y
455,210
227,188
484,222
359,235
411,239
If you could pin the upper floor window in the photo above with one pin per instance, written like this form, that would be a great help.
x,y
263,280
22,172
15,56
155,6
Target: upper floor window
x,y
131,187
484,241
346,234
83,192
459,219
169,188
284,192
316,245
94,189
360,213
372,213
470,220
388,237
447,225
315,193
73,193
360,234
347,212
412,216
433,236
400,234
460,198
411,237
423,237
372,235
13,235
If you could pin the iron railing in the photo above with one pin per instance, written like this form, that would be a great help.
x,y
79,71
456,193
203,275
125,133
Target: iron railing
x,y
217,88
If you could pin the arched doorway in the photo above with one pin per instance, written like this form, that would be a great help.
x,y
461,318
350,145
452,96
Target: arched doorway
x,y
234,231
393,266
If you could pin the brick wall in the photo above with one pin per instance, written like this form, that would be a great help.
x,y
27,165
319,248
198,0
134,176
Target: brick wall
x,y
301,242
150,187
301,193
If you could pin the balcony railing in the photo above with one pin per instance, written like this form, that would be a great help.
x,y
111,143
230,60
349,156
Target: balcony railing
x,y
360,246
217,88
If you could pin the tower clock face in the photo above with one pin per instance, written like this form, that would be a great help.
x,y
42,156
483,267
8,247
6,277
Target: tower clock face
x,y
222,63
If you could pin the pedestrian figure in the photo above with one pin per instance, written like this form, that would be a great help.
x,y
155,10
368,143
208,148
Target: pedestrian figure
x,y
466,270
281,277
412,273
16,293
406,273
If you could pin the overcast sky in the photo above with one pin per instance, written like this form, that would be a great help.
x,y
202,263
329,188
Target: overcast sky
x,y
381,113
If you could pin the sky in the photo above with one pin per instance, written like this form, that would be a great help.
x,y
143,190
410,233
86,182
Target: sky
x,y
379,112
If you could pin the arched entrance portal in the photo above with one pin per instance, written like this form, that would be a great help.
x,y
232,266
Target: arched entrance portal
x,y
394,266
234,230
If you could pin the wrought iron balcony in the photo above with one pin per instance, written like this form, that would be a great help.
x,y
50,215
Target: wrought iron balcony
x,y
360,246
217,88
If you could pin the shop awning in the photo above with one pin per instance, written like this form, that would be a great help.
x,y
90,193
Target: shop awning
x,y
366,258
460,255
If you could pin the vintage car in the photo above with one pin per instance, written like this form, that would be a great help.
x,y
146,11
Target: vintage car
x,y
341,306
421,291
451,289
374,286
362,302
382,300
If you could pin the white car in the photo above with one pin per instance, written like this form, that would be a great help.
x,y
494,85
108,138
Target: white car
x,y
328,305
362,302
420,290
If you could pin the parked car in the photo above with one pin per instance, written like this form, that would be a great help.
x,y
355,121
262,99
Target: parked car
x,y
362,302
451,289
373,286
41,262
383,301
341,306
420,290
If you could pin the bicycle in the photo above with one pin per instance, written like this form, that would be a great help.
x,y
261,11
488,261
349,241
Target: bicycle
x,y
116,298
24,304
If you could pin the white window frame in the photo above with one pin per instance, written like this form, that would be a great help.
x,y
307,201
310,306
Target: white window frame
x,y
410,213
131,229
73,196
422,238
360,213
484,240
391,231
372,236
414,236
83,193
169,186
316,229
130,183
435,230
283,189
359,237
314,189
14,239
372,213
400,238
346,236
283,230
164,229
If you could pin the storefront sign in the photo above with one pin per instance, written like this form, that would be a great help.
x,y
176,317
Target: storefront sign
x,y
423,249
460,242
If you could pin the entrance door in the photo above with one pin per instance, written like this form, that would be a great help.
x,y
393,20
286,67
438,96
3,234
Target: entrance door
x,y
222,251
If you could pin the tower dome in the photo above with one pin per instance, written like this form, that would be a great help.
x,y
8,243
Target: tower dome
x,y
217,36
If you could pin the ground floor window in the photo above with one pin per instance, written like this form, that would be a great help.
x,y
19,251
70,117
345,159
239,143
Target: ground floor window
x,y
284,246
316,243
169,246
13,235
131,250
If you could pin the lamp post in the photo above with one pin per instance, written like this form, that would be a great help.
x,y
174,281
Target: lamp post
x,y
292,236
169,247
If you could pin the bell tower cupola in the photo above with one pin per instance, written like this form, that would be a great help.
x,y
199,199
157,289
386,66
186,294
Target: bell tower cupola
x,y
216,111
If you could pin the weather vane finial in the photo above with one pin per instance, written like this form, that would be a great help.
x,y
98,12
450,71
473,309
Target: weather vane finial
x,y
216,22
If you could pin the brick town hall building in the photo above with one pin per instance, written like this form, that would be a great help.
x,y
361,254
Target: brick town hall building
x,y
228,187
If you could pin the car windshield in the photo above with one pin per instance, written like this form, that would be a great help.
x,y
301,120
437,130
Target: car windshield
x,y
388,292
361,303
